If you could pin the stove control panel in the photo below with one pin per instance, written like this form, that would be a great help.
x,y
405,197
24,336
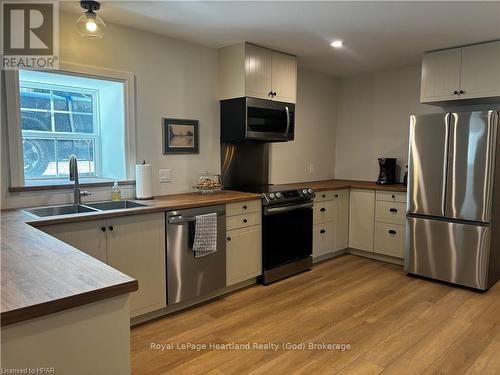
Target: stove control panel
x,y
287,196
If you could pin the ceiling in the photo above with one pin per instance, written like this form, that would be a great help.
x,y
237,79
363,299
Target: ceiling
x,y
376,35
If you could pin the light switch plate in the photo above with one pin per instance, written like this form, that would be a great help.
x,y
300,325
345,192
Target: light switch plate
x,y
165,175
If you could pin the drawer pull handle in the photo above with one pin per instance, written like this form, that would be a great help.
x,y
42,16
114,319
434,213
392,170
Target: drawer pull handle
x,y
393,196
336,195
393,210
391,231
245,207
110,228
322,209
322,231
103,229
245,221
323,195
229,238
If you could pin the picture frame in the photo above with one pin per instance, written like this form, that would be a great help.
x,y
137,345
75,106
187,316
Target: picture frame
x,y
180,136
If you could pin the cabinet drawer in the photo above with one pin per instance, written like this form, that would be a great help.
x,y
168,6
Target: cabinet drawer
x,y
389,239
243,207
389,212
323,238
323,211
330,195
243,221
391,196
243,254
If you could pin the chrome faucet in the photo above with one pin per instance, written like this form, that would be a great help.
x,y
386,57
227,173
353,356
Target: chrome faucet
x,y
73,176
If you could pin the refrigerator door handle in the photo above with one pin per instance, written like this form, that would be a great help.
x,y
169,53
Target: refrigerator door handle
x,y
449,119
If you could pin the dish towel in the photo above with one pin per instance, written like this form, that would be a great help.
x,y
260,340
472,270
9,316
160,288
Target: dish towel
x,y
205,235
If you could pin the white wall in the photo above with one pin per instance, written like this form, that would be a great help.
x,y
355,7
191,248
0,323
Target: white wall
x,y
314,141
179,79
373,120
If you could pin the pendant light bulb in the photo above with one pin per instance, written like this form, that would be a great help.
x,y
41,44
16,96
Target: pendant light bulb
x,y
90,25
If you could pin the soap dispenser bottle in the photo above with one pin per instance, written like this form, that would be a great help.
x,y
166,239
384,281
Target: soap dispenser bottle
x,y
116,193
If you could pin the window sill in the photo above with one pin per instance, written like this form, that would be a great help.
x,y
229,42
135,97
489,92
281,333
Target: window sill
x,y
67,185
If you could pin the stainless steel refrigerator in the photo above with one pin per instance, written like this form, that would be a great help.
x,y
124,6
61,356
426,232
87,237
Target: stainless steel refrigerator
x,y
453,209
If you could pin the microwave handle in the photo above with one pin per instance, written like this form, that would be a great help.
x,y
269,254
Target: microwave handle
x,y
287,120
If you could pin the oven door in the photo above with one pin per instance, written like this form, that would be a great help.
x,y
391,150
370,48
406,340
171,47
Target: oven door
x,y
286,234
269,120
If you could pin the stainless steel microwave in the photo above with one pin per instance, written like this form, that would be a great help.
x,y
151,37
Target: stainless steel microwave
x,y
251,119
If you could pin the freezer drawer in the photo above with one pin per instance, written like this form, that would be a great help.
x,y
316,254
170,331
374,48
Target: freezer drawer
x,y
448,251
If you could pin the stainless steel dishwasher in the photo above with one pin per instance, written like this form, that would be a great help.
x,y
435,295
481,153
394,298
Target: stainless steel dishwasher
x,y
189,277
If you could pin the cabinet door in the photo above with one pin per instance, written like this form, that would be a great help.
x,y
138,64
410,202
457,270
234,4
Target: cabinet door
x,y
136,247
389,239
323,238
481,71
86,236
324,211
284,77
361,219
440,75
243,254
258,67
341,239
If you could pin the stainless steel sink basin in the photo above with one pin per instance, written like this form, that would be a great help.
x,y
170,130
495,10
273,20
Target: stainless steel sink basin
x,y
115,205
82,208
59,210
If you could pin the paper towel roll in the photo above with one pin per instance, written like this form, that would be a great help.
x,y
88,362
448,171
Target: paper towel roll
x,y
143,181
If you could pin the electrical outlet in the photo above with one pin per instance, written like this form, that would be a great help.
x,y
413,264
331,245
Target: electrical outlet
x,y
165,175
311,167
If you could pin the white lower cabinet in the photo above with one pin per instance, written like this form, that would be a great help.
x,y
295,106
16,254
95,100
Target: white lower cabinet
x,y
377,222
390,219
389,239
361,219
134,245
323,238
330,222
243,241
87,236
243,254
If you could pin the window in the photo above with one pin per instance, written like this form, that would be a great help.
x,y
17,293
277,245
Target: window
x,y
84,111
55,123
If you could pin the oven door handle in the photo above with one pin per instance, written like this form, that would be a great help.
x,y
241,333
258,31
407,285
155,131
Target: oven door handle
x,y
276,210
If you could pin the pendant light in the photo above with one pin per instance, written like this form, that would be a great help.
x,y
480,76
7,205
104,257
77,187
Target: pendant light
x,y
90,25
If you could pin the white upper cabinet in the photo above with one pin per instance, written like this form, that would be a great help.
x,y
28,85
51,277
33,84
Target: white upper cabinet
x,y
258,72
471,72
284,77
440,75
249,70
480,71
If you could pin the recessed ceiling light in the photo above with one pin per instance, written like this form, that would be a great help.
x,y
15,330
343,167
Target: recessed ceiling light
x,y
336,44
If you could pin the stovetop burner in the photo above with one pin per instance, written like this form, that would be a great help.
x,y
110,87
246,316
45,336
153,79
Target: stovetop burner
x,y
279,194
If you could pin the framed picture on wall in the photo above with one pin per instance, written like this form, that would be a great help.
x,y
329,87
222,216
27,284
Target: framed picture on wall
x,y
180,136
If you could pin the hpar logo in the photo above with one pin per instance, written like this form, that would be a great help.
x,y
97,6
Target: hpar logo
x,y
30,35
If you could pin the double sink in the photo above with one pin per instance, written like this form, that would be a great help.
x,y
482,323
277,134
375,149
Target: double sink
x,y
71,209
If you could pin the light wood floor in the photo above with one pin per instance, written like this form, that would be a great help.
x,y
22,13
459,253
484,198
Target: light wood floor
x,y
395,324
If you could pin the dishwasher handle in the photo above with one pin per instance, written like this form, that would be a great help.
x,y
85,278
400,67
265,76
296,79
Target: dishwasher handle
x,y
178,219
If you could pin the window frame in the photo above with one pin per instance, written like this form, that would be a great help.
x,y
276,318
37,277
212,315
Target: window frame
x,y
12,82
55,135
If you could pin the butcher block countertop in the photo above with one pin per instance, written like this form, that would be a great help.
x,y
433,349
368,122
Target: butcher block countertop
x,y
42,275
347,184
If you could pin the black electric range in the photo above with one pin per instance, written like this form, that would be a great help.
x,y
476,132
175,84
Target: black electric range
x,y
287,227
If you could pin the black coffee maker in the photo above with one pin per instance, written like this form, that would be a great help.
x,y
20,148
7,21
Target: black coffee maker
x,y
387,173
